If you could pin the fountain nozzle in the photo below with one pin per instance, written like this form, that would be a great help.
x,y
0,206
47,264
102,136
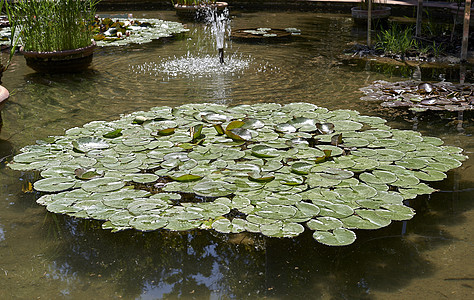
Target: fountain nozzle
x,y
221,55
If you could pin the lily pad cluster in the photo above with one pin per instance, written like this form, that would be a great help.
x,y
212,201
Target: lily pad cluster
x,y
421,96
118,32
263,168
264,33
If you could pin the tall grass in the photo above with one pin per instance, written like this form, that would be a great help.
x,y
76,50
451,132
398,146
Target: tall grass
x,y
54,25
396,40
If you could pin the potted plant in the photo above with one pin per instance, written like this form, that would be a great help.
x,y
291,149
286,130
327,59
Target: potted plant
x,y
196,9
4,64
379,11
56,35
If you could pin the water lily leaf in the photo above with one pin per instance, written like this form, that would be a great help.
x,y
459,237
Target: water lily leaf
x,y
325,128
222,225
291,229
165,132
337,174
261,177
219,129
214,188
182,225
373,217
277,212
334,210
196,131
104,184
412,163
86,144
62,208
317,180
324,224
87,174
285,128
141,178
290,179
251,218
378,177
113,134
396,212
54,184
430,175
301,168
251,123
148,222
121,218
263,151
357,222
300,122
347,125
389,155
338,237
336,139
186,178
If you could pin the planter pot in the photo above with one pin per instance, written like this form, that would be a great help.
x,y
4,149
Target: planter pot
x,y
379,13
4,94
197,12
66,61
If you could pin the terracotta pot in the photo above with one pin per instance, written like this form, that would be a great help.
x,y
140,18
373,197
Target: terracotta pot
x,y
66,61
4,94
195,12
379,13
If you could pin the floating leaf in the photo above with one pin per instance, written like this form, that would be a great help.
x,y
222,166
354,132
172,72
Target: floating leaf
x,y
86,144
54,184
113,134
338,237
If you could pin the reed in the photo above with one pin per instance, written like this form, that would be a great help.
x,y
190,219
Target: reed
x,y
54,25
396,40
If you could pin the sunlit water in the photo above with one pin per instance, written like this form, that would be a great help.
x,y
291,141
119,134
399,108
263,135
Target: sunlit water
x,y
52,256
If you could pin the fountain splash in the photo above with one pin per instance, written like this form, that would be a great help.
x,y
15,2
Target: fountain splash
x,y
191,65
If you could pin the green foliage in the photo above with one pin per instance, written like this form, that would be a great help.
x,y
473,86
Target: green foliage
x,y
54,25
399,41
396,40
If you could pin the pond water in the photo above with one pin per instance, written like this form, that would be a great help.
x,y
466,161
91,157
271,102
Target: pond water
x,y
51,256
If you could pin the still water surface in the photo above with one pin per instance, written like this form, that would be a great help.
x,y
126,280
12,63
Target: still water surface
x,y
50,256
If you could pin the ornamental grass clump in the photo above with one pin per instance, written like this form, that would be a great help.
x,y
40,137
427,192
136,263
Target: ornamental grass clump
x,y
54,25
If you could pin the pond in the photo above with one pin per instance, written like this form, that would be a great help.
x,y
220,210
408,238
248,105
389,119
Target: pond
x,y
54,256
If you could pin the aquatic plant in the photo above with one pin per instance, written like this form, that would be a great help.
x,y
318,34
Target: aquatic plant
x,y
262,168
54,25
421,96
396,40
12,36
400,41
117,32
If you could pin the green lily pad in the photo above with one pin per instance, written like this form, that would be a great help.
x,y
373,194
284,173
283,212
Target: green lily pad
x,y
54,184
103,185
338,237
86,144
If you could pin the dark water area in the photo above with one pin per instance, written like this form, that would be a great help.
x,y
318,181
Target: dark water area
x,y
48,256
